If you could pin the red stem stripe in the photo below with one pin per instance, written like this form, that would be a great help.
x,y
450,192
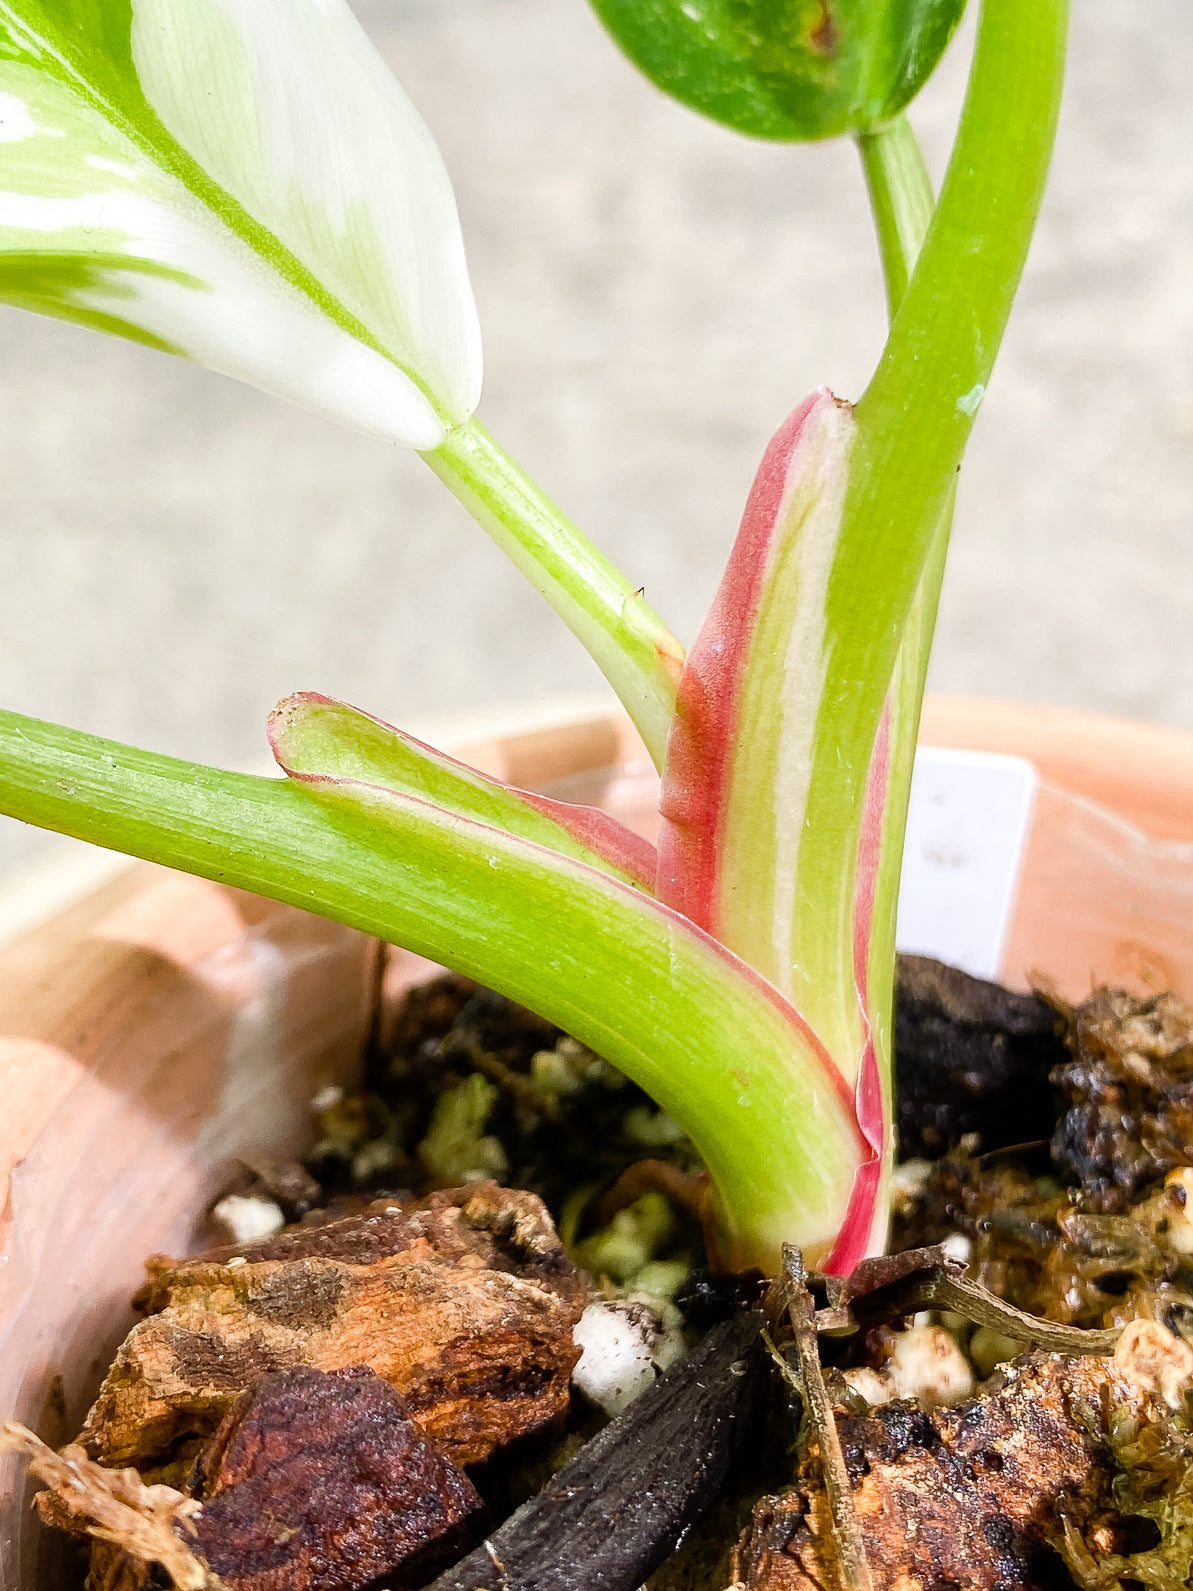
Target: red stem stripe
x,y
853,1240
700,750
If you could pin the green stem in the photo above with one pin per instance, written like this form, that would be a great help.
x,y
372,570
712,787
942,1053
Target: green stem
x,y
915,417
906,698
902,202
693,1026
631,646
901,198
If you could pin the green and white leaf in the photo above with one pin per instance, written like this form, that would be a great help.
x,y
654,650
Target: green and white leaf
x,y
244,184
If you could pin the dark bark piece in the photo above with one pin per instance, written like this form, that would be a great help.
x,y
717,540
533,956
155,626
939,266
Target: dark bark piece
x,y
708,1297
625,1502
464,1303
321,1482
970,1057
1129,1088
971,1497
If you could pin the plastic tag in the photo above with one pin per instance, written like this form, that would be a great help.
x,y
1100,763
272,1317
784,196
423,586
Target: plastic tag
x,y
967,828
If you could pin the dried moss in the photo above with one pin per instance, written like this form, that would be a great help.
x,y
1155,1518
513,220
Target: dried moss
x,y
1153,1491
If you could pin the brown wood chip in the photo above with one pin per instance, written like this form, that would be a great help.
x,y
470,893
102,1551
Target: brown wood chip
x,y
464,1303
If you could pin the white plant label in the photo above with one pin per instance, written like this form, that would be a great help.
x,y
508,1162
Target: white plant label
x,y
967,828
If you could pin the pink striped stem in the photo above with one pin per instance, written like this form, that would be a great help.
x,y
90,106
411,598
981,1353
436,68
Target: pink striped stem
x,y
700,750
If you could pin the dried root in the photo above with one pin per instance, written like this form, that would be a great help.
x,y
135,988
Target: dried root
x,y
115,1507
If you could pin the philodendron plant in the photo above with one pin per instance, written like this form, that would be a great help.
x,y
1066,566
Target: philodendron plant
x,y
242,182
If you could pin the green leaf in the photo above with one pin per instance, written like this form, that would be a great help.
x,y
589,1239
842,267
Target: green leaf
x,y
786,69
243,183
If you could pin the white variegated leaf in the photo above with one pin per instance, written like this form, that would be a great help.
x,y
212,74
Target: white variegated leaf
x,y
241,182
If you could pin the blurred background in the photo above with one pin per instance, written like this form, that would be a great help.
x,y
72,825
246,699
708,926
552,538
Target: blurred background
x,y
656,293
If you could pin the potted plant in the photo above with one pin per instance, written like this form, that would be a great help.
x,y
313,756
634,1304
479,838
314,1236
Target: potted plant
x,y
305,239
840,551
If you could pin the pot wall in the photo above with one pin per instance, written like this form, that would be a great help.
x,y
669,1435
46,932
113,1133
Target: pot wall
x,y
166,1024
1106,894
146,1036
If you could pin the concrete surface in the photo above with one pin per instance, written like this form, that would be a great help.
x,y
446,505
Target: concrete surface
x,y
179,551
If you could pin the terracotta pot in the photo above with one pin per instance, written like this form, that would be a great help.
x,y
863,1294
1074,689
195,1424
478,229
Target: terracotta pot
x,y
165,1024
1106,894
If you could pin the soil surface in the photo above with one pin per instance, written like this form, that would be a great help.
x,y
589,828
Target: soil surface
x,y
1051,1149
